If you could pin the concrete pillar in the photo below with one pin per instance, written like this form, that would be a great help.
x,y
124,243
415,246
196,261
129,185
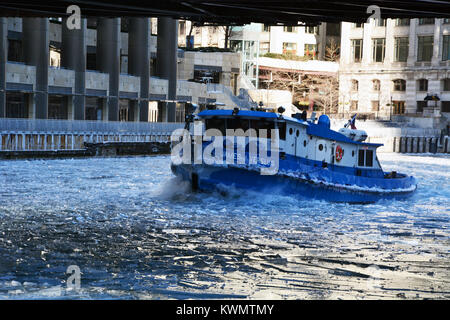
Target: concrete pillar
x,y
397,144
108,60
420,145
426,142
403,144
433,146
166,67
3,59
424,148
139,60
447,144
73,56
415,147
36,53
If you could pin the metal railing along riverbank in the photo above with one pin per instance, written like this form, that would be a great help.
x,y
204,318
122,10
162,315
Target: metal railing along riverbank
x,y
45,135
8,125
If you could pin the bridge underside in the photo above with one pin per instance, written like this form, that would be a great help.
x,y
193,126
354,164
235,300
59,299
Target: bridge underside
x,y
287,12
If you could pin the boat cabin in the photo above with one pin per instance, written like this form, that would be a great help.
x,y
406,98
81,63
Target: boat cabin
x,y
312,143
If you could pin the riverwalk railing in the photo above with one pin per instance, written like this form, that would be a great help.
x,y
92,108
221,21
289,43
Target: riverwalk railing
x,y
8,125
39,134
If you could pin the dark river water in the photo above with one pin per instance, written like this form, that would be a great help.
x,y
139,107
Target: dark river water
x,y
136,232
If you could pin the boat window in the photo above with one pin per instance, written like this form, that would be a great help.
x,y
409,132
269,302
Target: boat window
x,y
238,123
365,158
361,158
291,131
261,125
298,133
282,130
369,158
304,143
320,147
215,124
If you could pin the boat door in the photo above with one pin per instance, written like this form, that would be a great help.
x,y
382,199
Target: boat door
x,y
322,152
291,141
297,139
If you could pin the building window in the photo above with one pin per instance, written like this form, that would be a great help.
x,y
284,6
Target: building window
x,y
420,106
355,85
91,61
423,21
398,107
357,25
311,50
57,107
399,85
446,84
425,48
379,46
266,28
124,110
264,47
375,106
15,52
312,30
445,48
380,22
205,75
123,63
357,50
401,48
402,22
16,105
422,85
290,47
354,105
91,23
93,109
445,106
289,29
376,85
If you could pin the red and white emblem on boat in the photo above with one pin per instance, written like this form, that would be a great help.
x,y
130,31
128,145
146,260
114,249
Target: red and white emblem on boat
x,y
339,153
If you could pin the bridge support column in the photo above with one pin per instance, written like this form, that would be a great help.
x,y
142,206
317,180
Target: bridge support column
x,y
73,56
3,59
167,56
108,57
36,53
139,61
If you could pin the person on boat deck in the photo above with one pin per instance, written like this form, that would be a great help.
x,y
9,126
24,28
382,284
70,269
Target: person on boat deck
x,y
352,122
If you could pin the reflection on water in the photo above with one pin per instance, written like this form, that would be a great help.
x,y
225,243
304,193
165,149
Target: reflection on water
x,y
136,232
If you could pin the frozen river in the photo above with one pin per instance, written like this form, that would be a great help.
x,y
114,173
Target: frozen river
x,y
136,232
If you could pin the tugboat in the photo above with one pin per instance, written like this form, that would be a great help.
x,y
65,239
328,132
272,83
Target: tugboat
x,y
312,161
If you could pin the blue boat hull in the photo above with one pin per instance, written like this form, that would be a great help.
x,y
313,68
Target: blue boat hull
x,y
209,177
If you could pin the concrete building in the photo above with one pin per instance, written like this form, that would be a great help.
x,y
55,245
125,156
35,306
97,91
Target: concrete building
x,y
110,70
392,67
299,40
255,40
205,36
